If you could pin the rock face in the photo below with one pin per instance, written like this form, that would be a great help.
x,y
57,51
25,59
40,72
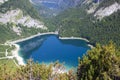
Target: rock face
x,y
93,7
17,30
16,17
107,11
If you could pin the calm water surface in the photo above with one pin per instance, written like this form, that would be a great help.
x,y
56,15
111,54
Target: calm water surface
x,y
49,48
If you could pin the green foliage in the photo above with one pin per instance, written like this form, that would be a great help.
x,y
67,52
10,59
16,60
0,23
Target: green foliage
x,y
30,31
24,5
35,71
49,22
76,22
100,63
4,48
6,33
70,21
7,67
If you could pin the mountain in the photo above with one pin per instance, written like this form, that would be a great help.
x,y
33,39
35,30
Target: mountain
x,y
97,21
19,20
54,7
59,3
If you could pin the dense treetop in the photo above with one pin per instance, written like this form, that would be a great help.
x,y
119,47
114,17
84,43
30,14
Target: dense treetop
x,y
76,22
100,63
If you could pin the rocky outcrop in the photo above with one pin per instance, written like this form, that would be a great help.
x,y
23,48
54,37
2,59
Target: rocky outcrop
x,y
92,8
107,11
91,5
17,30
17,17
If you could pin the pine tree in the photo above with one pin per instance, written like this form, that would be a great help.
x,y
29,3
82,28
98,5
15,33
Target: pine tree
x,y
100,63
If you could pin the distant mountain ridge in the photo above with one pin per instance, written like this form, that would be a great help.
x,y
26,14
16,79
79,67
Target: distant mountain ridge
x,y
54,6
58,2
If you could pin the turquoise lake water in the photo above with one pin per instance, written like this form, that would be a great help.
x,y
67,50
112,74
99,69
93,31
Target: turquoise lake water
x,y
49,48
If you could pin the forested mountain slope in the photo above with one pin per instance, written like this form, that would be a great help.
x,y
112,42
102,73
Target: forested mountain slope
x,y
20,18
24,5
95,26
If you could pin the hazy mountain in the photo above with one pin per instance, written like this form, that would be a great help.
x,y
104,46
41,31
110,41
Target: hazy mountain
x,y
53,7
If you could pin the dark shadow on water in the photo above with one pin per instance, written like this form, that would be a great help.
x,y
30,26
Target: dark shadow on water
x,y
75,42
28,47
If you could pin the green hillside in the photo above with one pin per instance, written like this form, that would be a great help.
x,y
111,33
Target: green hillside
x,y
76,22
24,5
6,32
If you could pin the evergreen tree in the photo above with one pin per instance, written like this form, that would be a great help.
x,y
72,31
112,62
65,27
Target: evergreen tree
x,y
100,63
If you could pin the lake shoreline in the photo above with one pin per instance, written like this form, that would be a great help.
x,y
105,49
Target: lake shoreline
x,y
79,38
16,51
33,36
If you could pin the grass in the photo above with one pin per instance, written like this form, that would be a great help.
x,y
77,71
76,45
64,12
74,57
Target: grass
x,y
3,50
10,49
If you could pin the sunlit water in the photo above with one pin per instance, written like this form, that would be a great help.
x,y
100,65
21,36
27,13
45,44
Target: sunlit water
x,y
49,48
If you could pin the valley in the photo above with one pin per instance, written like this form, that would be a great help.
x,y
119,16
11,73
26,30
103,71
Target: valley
x,y
66,39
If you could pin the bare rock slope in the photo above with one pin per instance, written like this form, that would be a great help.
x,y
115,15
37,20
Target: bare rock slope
x,y
107,11
16,17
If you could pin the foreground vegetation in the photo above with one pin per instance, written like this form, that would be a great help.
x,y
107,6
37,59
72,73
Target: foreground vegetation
x,y
7,67
35,71
100,63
